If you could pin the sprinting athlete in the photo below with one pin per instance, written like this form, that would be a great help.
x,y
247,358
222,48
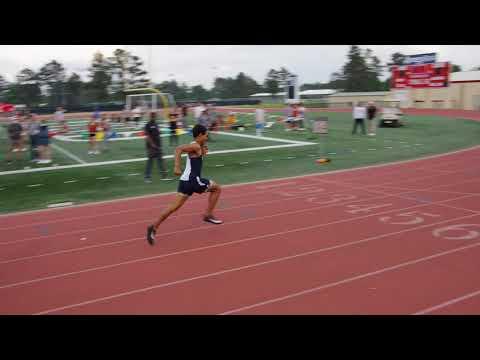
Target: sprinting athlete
x,y
191,181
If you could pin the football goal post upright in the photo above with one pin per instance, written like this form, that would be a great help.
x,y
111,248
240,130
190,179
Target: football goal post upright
x,y
150,98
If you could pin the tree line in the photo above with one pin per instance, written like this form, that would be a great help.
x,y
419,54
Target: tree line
x,y
110,76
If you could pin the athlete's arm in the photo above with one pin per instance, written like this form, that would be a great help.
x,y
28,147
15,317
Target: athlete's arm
x,y
204,149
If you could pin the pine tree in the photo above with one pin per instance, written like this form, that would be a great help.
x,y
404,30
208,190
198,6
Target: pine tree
x,y
199,93
374,72
27,88
126,71
244,86
99,73
52,76
355,71
3,89
271,83
73,89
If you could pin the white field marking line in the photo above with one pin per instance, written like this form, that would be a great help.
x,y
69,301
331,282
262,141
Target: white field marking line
x,y
115,162
72,139
103,178
221,245
348,280
447,303
201,227
70,181
69,203
209,275
35,185
133,198
67,153
127,138
265,138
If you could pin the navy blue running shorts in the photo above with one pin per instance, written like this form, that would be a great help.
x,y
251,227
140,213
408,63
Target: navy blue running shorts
x,y
196,185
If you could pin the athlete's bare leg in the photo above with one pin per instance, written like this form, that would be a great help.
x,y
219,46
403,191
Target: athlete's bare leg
x,y
174,206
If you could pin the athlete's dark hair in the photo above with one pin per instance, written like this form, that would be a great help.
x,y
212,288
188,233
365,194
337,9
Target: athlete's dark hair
x,y
198,130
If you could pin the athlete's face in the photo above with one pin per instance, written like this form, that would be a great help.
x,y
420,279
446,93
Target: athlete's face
x,y
203,138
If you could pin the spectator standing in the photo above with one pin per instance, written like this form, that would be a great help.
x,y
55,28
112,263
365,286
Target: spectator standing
x,y
371,113
359,115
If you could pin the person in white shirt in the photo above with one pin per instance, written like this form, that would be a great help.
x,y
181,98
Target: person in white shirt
x,y
198,111
301,116
137,114
59,117
359,115
259,121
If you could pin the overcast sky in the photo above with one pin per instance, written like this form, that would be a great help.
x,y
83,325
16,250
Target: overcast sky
x,y
199,64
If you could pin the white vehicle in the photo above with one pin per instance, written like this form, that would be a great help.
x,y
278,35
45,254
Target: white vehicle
x,y
392,115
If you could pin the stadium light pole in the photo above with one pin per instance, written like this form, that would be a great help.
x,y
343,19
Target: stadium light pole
x,y
150,82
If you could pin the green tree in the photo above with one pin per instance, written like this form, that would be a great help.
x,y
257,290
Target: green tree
x,y
126,71
52,76
223,88
199,93
282,77
374,72
456,68
180,92
100,79
73,90
271,84
244,86
337,81
27,88
395,59
4,86
314,86
356,71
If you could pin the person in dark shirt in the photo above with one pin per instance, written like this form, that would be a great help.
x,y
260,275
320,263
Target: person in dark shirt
x,y
44,144
172,121
371,113
154,148
15,135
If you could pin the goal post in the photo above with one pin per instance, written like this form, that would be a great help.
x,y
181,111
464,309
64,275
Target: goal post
x,y
149,98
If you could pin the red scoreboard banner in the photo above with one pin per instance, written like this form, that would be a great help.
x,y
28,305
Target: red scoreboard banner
x,y
421,75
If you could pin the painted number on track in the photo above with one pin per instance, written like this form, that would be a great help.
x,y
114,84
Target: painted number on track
x,y
333,198
410,218
303,190
364,208
463,231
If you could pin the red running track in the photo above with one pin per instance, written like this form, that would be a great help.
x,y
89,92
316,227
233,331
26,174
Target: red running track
x,y
396,239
